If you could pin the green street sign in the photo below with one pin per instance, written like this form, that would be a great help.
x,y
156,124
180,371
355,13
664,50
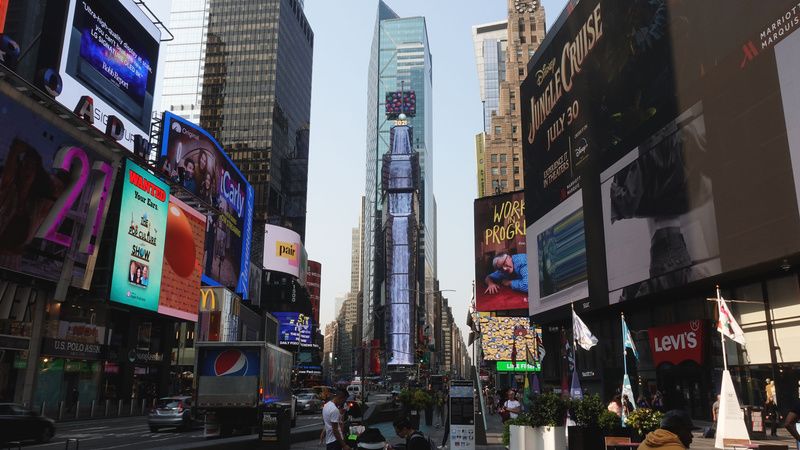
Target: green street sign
x,y
522,366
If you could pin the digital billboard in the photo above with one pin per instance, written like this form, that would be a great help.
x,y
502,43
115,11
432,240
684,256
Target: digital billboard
x,y
679,118
283,251
501,260
294,329
501,335
139,255
110,53
313,284
183,253
401,103
54,194
191,157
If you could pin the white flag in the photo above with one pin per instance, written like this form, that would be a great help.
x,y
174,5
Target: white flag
x,y
583,336
727,324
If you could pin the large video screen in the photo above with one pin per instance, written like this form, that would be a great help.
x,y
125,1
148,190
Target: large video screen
x,y
111,54
283,251
54,195
294,329
500,335
501,260
685,112
190,156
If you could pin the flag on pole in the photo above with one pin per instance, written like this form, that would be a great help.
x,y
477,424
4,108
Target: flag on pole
x,y
627,340
583,336
627,390
535,387
727,324
575,390
514,353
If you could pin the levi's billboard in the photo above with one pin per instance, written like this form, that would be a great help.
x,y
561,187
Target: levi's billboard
x,y
677,343
191,157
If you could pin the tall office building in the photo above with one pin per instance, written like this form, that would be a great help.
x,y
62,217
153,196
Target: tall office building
x,y
257,102
184,62
502,51
400,60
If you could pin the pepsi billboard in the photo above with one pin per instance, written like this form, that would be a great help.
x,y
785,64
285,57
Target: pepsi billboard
x,y
229,362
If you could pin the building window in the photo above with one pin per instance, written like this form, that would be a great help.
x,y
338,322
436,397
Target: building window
x,y
521,72
498,129
502,158
522,39
516,170
516,184
503,184
495,171
494,158
533,25
513,129
503,171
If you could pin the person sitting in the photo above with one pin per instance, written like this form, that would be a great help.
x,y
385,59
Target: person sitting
x,y
371,439
675,432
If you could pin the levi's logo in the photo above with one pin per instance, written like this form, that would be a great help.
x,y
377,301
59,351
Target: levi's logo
x,y
682,341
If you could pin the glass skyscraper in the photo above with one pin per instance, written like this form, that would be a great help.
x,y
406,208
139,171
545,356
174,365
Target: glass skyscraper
x,y
257,102
400,60
491,43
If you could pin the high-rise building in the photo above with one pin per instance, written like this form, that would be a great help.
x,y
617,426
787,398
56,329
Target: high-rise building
x,y
184,62
257,102
502,51
400,60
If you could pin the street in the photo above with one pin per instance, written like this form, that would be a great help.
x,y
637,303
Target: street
x,y
133,433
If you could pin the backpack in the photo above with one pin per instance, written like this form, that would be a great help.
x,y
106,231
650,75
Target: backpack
x,y
420,435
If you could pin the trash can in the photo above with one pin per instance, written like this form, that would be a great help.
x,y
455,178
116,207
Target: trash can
x,y
754,420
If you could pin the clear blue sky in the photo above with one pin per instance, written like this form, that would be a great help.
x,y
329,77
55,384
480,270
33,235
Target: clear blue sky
x,y
342,38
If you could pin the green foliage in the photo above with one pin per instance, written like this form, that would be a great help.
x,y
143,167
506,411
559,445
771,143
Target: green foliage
x,y
608,421
415,399
548,410
644,420
523,420
588,410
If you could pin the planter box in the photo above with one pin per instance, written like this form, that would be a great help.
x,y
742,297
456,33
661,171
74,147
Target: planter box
x,y
583,438
540,438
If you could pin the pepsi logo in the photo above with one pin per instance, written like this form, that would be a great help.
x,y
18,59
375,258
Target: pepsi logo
x,y
230,362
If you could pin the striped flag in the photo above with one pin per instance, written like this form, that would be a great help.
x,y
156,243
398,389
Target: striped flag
x,y
627,340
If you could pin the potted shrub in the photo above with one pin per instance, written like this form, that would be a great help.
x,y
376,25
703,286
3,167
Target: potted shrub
x,y
544,429
414,400
587,434
643,421
518,428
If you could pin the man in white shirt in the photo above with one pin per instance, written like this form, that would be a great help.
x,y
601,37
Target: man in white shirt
x,y
512,405
334,435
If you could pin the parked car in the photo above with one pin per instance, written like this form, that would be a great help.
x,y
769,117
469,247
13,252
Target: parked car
x,y
18,423
308,402
171,412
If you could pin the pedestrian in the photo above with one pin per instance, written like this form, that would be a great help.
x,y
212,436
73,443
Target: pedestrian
x,y
441,400
627,406
792,419
642,402
415,439
658,401
615,405
371,439
512,407
331,419
772,415
675,433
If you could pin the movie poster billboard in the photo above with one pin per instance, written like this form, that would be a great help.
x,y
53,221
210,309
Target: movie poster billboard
x,y
191,157
139,255
283,251
501,259
110,53
54,194
685,112
183,253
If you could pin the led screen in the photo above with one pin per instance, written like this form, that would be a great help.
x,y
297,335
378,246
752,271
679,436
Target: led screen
x,y
401,103
500,335
294,329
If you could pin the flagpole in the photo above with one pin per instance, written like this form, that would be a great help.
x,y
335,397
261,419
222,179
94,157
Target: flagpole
x,y
624,347
574,342
721,335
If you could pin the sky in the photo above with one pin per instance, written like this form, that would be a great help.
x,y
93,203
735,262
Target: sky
x,y
343,32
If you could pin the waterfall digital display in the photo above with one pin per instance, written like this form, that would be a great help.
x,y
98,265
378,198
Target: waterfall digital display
x,y
400,180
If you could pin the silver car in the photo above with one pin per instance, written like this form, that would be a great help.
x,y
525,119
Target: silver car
x,y
308,403
171,412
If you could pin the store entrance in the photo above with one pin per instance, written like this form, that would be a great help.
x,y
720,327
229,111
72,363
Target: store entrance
x,y
685,386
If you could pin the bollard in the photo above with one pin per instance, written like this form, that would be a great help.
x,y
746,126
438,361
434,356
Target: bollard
x,y
119,408
143,403
91,414
133,405
41,411
61,410
107,402
77,408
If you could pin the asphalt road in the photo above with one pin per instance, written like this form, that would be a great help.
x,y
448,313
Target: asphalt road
x,y
133,433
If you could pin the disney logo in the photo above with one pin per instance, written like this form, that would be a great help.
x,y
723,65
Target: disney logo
x,y
544,71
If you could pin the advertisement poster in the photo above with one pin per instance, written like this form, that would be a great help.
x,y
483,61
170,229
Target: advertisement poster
x,y
283,251
501,259
501,335
294,329
138,259
219,315
54,196
183,254
191,157
110,54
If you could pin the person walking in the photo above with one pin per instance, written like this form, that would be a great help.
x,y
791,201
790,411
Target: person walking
x,y
332,421
415,439
441,400
772,415
511,406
